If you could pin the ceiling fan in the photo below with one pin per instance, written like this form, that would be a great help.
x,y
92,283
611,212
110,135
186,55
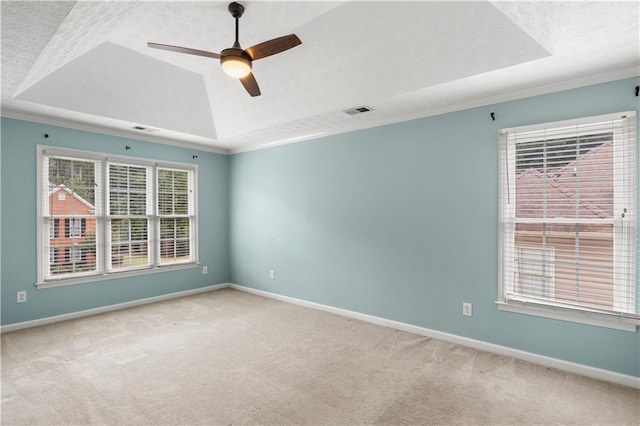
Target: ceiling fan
x,y
235,61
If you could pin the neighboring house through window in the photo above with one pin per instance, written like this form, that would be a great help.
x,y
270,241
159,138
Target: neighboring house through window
x,y
74,227
568,196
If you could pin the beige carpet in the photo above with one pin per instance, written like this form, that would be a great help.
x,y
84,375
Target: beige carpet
x,y
228,357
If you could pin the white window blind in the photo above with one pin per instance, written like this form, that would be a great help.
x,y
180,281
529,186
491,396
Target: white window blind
x,y
568,199
142,217
175,210
129,214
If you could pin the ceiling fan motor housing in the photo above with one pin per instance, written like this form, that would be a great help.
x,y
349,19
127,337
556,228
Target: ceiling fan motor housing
x,y
236,62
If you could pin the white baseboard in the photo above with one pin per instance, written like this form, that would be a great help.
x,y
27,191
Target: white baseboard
x,y
583,370
571,367
102,309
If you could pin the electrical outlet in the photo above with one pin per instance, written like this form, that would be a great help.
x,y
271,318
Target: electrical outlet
x,y
205,270
467,309
21,296
272,274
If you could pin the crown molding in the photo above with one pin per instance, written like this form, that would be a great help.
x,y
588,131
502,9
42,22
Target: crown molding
x,y
560,86
43,118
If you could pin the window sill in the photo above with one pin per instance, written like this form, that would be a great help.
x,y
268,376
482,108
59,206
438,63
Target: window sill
x,y
566,314
114,275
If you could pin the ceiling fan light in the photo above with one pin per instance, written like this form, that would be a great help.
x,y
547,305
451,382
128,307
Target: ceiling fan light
x,y
236,66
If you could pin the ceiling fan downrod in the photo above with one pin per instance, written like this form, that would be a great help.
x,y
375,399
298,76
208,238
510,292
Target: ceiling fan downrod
x,y
236,10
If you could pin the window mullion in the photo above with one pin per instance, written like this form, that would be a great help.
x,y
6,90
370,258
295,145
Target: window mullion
x,y
154,222
105,218
43,259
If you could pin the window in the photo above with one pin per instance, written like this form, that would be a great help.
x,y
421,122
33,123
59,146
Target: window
x,y
129,215
568,197
115,215
176,215
75,227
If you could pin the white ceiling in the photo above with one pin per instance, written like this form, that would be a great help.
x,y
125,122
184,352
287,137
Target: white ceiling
x,y
86,65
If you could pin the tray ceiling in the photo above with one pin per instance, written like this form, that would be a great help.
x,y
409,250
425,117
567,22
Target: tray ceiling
x,y
86,64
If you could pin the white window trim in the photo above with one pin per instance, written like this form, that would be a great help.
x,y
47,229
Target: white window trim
x,y
570,314
150,198
580,315
102,240
191,215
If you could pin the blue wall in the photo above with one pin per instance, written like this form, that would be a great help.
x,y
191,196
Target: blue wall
x,y
19,140
401,222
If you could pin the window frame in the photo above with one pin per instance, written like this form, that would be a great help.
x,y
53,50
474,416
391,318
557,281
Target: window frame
x,y
111,216
189,215
507,243
103,239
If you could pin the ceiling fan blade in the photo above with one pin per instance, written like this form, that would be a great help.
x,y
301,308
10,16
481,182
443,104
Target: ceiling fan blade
x,y
187,50
271,47
249,82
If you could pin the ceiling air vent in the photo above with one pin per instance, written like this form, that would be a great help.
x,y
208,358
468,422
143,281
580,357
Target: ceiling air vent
x,y
145,129
358,110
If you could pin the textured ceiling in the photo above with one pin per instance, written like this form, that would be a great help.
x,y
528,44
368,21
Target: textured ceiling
x,y
86,64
